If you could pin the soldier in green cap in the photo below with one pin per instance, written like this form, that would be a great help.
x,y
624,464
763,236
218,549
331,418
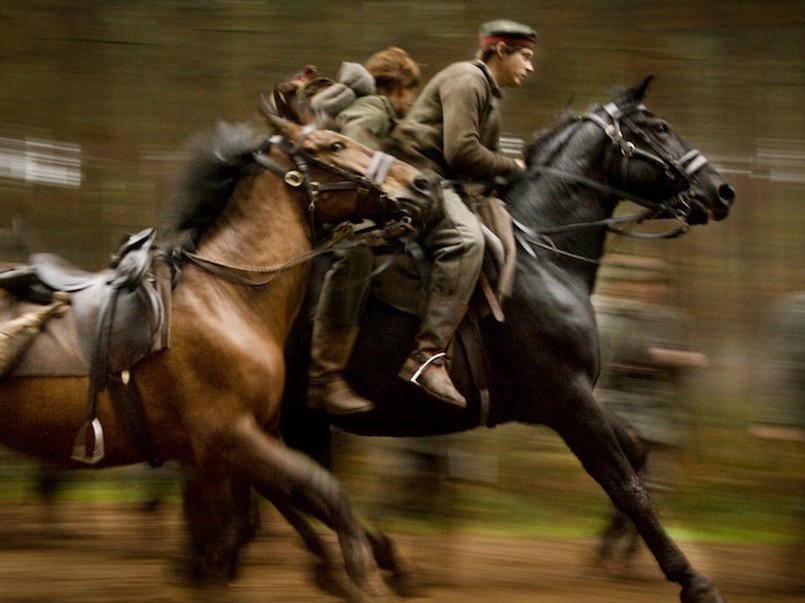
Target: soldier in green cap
x,y
453,128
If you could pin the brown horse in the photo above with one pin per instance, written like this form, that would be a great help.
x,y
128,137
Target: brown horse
x,y
251,206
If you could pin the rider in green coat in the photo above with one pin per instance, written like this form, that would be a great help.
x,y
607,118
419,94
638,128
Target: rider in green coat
x,y
367,102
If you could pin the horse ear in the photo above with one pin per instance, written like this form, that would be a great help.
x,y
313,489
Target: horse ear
x,y
634,95
288,129
268,106
640,89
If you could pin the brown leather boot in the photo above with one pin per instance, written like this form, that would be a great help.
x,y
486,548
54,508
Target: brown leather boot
x,y
426,366
331,348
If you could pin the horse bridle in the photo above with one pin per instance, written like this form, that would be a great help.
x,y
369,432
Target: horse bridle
x,y
300,178
676,207
685,166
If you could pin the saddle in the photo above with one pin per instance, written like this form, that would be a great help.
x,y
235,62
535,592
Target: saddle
x,y
401,286
399,283
118,315
115,318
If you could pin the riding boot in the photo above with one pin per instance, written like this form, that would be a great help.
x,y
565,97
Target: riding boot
x,y
426,366
329,355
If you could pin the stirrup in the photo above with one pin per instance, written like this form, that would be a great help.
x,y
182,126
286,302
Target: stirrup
x,y
415,377
446,391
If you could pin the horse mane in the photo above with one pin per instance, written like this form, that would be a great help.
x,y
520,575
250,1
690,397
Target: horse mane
x,y
560,148
216,162
545,145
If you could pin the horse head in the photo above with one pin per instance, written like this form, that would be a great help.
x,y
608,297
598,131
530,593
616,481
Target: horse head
x,y
385,185
655,166
292,97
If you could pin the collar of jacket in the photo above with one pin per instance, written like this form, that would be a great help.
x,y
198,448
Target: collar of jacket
x,y
496,91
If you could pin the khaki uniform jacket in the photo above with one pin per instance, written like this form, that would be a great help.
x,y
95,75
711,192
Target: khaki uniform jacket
x,y
454,126
369,120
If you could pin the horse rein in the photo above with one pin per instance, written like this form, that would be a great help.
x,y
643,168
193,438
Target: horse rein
x,y
676,207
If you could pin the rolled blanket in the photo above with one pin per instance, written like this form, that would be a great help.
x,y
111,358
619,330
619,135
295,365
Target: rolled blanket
x,y
353,81
17,335
356,77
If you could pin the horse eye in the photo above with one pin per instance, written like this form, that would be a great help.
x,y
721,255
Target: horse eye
x,y
661,127
337,146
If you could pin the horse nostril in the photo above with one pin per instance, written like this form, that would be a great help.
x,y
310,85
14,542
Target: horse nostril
x,y
727,194
421,185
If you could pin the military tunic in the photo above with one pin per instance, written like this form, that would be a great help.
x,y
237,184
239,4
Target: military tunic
x,y
454,125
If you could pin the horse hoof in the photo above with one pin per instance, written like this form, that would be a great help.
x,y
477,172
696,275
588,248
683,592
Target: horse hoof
x,y
328,579
406,585
191,573
701,590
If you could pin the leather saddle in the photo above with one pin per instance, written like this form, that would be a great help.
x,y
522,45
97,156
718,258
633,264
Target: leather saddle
x,y
121,314
400,282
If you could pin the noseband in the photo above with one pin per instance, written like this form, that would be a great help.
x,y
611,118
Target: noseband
x,y
300,178
685,166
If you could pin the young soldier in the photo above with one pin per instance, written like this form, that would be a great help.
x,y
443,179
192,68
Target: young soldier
x,y
453,128
369,119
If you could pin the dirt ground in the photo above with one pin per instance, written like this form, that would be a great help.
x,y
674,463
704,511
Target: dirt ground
x,y
99,553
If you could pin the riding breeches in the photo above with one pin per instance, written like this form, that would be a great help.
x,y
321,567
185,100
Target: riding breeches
x,y
455,246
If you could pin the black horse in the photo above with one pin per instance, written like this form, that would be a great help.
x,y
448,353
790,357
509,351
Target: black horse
x,y
540,365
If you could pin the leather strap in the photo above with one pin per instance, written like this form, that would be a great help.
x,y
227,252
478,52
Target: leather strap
x,y
470,334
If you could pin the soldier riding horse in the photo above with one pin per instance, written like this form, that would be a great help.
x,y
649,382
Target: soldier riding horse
x,y
539,365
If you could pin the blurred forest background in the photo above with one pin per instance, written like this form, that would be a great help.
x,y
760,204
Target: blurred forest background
x,y
98,98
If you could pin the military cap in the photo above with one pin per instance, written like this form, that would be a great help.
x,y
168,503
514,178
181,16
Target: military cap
x,y
504,30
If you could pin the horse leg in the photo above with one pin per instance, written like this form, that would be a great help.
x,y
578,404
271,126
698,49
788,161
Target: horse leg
x,y
282,473
221,517
385,554
242,507
327,575
619,526
311,434
591,437
300,522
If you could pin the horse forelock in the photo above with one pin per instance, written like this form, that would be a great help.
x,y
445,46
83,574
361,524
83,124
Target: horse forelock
x,y
215,163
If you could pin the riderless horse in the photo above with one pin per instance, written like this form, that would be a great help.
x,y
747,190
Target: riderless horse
x,y
204,385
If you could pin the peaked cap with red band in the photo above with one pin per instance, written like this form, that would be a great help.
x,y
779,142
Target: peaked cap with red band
x,y
510,32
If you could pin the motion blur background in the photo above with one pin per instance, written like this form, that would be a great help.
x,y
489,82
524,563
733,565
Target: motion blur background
x,y
98,98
